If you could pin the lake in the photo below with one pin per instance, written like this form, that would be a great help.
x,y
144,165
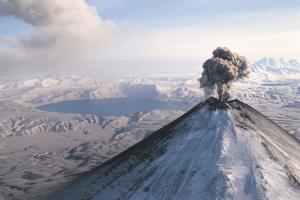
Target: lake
x,y
111,106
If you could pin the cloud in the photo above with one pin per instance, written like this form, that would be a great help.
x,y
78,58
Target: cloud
x,y
69,34
64,33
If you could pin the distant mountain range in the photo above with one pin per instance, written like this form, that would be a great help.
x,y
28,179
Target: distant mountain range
x,y
273,85
266,69
272,69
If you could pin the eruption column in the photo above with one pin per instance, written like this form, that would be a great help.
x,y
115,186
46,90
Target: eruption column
x,y
221,70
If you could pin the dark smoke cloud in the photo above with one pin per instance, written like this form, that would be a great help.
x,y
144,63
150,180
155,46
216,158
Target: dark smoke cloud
x,y
221,70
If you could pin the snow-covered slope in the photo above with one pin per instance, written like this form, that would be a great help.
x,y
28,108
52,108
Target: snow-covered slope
x,y
272,69
53,147
214,151
40,150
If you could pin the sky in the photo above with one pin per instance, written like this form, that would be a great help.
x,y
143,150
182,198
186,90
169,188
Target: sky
x,y
108,36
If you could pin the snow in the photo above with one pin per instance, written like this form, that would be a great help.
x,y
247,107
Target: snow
x,y
58,146
270,69
31,82
207,154
49,82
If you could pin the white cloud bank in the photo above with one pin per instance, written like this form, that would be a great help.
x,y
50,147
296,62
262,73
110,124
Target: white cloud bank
x,y
64,32
69,36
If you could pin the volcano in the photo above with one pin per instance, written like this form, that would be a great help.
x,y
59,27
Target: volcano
x,y
217,150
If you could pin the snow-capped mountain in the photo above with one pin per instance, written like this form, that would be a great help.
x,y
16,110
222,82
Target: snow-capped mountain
x,y
214,151
60,145
39,91
270,69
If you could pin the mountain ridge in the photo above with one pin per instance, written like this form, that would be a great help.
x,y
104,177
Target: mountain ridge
x,y
268,69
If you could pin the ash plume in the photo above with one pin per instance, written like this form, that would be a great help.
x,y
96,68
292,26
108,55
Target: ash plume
x,y
221,70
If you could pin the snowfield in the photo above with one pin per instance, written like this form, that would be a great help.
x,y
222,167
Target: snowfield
x,y
271,69
40,150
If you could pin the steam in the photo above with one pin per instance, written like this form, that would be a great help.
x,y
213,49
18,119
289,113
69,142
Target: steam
x,y
221,70
61,31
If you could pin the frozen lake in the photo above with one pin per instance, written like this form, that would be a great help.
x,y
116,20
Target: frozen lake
x,y
111,106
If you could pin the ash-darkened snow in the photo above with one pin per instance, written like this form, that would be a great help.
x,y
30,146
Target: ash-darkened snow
x,y
221,70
